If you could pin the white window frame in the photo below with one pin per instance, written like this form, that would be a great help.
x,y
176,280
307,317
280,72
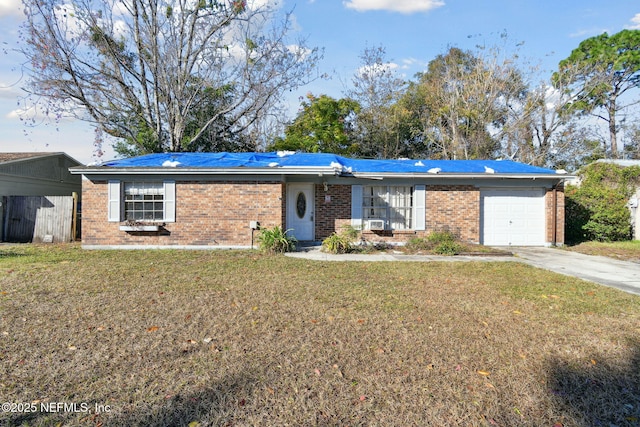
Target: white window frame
x,y
117,199
143,201
416,222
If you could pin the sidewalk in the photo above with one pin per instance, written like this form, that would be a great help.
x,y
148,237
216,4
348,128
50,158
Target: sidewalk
x,y
314,253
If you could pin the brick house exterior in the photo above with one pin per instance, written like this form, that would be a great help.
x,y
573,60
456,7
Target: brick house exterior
x,y
216,206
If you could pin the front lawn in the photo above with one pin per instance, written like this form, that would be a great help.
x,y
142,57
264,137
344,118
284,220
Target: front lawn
x,y
238,338
627,250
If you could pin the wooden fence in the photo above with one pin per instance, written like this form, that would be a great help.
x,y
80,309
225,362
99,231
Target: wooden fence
x,y
39,218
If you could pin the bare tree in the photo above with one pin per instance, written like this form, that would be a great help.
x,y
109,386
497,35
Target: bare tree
x,y
542,129
143,70
461,103
377,88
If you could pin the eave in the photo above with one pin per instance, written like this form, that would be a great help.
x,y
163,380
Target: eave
x,y
365,175
304,170
301,170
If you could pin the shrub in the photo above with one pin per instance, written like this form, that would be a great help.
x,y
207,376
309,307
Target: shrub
x,y
597,210
419,244
350,232
448,248
275,240
442,236
337,243
442,242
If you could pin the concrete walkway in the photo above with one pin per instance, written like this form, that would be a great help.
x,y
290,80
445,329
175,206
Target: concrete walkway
x,y
623,275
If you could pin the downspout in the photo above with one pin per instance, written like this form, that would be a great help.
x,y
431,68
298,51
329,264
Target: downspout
x,y
554,216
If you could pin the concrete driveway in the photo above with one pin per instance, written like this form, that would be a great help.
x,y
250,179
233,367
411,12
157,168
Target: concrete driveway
x,y
623,275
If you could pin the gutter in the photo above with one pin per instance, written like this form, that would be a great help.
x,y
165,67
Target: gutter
x,y
300,170
457,175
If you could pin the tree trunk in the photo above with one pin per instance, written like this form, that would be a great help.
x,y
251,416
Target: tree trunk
x,y
612,130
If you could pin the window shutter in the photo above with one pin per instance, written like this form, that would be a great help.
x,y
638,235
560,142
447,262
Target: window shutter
x,y
170,201
356,206
114,196
419,207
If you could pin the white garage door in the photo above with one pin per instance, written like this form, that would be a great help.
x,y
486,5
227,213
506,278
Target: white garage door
x,y
512,217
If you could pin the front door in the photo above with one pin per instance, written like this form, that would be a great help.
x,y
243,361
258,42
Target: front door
x,y
300,211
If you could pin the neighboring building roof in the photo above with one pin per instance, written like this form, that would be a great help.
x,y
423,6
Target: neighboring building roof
x,y
290,162
9,157
13,157
619,162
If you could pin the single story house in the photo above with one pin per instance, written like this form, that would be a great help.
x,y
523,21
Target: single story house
x,y
204,200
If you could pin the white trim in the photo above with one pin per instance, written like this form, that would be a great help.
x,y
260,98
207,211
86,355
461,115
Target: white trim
x,y
441,175
140,228
169,200
356,206
287,170
419,207
114,197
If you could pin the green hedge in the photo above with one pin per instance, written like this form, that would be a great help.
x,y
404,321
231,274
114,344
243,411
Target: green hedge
x,y
597,209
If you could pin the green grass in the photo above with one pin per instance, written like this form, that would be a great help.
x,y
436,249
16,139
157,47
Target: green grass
x,y
245,338
627,250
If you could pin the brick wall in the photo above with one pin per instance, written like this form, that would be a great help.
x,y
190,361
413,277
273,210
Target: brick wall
x,y
559,215
207,213
455,208
218,214
333,209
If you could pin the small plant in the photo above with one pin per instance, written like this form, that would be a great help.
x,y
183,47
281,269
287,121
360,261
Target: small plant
x,y
448,247
276,240
382,246
437,237
350,231
337,243
418,244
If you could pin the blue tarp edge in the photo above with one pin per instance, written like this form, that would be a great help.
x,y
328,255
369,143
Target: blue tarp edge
x,y
321,160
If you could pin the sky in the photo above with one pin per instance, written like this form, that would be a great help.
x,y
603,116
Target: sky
x,y
413,32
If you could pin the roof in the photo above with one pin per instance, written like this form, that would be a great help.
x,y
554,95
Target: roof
x,y
16,157
9,157
295,162
619,162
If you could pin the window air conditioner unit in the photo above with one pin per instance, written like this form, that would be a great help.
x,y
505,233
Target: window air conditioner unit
x,y
375,224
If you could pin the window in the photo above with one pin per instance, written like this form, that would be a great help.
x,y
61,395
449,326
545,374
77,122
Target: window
x,y
392,204
143,201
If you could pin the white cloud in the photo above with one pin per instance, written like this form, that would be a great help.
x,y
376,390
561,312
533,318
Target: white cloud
x,y
377,69
255,5
42,112
120,28
589,33
299,51
409,63
9,91
402,6
636,23
10,8
33,114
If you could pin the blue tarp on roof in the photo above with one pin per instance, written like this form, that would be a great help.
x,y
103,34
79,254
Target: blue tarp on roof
x,y
323,160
